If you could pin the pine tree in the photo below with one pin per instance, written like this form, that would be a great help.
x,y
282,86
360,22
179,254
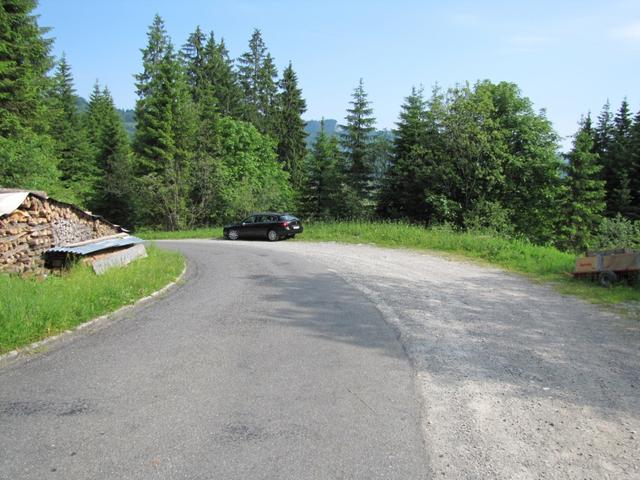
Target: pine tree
x,y
113,194
290,127
584,199
166,124
78,171
356,141
323,193
27,159
257,75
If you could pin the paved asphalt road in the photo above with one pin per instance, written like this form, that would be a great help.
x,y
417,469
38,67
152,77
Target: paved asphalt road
x,y
260,365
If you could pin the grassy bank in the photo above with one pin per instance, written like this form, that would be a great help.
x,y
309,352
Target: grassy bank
x,y
540,263
32,309
212,232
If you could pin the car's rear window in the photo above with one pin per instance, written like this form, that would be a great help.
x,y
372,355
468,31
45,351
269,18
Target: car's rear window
x,y
288,218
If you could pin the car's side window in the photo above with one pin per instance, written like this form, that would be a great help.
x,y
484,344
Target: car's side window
x,y
273,219
249,220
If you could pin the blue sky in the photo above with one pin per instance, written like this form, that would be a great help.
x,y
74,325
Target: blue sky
x,y
568,57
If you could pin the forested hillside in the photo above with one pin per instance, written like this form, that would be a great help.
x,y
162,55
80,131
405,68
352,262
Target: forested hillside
x,y
213,138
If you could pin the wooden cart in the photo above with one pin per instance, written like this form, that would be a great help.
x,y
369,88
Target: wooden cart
x,y
608,266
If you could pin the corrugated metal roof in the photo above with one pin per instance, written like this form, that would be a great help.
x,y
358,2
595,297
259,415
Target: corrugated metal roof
x,y
97,246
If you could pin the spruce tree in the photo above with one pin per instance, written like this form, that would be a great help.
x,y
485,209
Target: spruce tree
x,y
290,127
603,143
584,199
25,61
76,159
194,60
323,192
404,185
27,158
257,75
620,164
223,78
166,124
114,189
356,140
634,184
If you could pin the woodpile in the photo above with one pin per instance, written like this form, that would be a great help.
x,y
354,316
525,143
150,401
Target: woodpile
x,y
41,223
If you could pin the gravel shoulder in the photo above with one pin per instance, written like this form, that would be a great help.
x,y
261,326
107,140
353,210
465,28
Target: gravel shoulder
x,y
517,381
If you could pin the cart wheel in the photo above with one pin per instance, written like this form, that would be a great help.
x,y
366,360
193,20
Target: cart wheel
x,y
607,278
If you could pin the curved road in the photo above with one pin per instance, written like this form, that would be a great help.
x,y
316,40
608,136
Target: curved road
x,y
260,366
293,360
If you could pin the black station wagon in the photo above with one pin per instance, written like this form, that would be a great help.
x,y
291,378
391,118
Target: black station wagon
x,y
269,225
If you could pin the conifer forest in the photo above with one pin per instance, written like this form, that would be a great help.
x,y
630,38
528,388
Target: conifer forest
x,y
219,137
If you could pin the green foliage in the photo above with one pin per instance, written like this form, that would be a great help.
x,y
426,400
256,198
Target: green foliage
x,y
617,142
203,232
404,189
617,232
250,177
476,149
223,78
358,166
27,153
33,309
27,162
324,187
24,61
114,188
584,195
78,172
289,127
257,75
489,217
166,127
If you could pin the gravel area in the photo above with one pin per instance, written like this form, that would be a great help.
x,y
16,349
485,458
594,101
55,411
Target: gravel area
x,y
517,381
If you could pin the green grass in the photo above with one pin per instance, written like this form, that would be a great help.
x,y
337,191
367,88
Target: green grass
x,y
32,309
213,232
537,262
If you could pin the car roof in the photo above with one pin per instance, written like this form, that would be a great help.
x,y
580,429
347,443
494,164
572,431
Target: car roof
x,y
270,213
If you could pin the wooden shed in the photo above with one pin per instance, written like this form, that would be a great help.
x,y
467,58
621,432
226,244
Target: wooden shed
x,y
32,223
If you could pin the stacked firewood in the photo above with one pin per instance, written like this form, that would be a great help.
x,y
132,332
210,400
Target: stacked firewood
x,y
40,224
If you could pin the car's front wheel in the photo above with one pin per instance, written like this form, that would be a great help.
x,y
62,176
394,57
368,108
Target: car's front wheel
x,y
272,236
233,235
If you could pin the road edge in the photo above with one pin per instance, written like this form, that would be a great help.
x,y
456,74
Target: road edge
x,y
30,349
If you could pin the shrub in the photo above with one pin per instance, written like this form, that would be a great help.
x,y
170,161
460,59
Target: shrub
x,y
617,232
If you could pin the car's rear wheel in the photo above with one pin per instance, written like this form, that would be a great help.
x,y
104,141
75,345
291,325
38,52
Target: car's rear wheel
x,y
272,236
233,235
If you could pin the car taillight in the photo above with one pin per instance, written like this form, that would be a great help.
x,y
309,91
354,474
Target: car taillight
x,y
284,224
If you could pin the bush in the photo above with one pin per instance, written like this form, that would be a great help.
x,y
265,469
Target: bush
x,y
617,232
